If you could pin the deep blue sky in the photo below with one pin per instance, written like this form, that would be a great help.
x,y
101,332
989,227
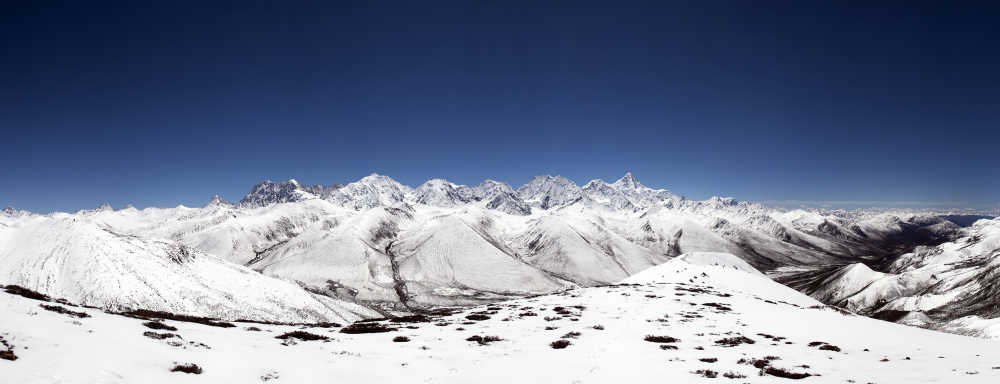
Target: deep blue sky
x,y
168,104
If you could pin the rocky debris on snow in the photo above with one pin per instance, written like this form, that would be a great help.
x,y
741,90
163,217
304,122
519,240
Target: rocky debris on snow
x,y
367,327
483,340
187,368
7,352
159,336
660,339
58,309
301,335
146,314
24,292
560,344
708,373
158,326
734,341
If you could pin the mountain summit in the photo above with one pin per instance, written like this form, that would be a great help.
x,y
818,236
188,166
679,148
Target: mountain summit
x,y
627,182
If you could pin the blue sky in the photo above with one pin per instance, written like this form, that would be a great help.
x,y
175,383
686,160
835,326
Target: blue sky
x,y
159,105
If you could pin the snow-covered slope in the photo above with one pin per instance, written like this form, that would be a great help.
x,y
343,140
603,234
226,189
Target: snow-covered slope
x,y
413,257
953,286
75,258
698,318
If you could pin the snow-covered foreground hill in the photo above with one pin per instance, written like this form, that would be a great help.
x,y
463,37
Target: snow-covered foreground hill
x,y
702,317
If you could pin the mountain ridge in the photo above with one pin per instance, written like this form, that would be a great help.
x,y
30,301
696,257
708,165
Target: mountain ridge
x,y
392,248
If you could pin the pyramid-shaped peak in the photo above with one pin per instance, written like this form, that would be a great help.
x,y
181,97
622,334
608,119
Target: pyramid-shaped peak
x,y
628,181
217,200
595,183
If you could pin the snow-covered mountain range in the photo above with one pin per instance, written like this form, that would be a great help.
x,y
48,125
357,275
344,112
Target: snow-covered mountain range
x,y
297,253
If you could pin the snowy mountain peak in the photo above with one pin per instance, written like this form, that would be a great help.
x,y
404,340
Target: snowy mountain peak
x,y
217,201
722,201
268,192
13,212
439,183
550,191
628,182
627,193
595,183
610,195
441,193
490,189
377,179
371,191
497,185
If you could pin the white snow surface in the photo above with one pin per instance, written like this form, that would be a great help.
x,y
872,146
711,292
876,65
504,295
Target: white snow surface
x,y
698,299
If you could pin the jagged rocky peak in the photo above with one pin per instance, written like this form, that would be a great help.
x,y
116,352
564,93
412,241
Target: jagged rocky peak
x,y
442,193
509,203
501,197
550,191
628,182
217,201
13,212
106,207
608,195
269,192
722,201
491,188
493,194
544,192
629,194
